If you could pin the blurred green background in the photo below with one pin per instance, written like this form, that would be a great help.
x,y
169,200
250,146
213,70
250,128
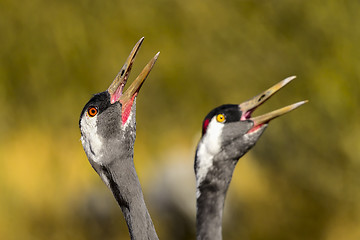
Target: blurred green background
x,y
301,181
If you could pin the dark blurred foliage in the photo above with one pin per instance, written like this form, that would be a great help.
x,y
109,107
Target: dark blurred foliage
x,y
301,181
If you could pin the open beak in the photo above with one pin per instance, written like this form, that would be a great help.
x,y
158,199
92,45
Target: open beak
x,y
117,86
134,88
249,106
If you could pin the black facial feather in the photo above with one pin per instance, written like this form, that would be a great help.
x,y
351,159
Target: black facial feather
x,y
100,100
108,116
232,113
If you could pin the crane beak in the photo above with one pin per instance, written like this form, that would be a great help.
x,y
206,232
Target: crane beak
x,y
134,88
127,99
117,86
248,107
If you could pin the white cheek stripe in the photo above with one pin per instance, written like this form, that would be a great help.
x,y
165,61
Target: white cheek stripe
x,y
209,146
90,139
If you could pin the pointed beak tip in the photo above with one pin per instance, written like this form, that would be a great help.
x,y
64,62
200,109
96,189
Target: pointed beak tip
x,y
256,101
296,105
287,80
249,106
134,88
277,113
141,40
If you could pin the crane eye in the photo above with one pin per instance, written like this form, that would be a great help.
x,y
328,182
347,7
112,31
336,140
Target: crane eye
x,y
92,111
220,118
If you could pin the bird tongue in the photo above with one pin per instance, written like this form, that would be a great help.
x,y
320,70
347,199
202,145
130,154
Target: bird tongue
x,y
117,94
249,106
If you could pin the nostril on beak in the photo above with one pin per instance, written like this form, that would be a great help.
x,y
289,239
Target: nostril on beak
x,y
261,98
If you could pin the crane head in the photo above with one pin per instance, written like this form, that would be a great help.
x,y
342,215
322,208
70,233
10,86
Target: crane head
x,y
107,122
229,131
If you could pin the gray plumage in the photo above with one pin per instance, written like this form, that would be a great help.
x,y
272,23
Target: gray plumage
x,y
108,131
213,188
114,163
228,133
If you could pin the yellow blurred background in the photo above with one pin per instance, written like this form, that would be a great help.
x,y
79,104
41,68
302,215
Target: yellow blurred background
x,y
301,180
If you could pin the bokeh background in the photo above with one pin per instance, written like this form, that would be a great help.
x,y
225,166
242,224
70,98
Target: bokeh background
x,y
301,180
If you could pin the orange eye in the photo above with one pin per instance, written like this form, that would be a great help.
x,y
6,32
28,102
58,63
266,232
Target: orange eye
x,y
220,118
92,111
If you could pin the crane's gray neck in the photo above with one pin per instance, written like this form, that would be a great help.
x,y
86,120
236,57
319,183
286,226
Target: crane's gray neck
x,y
124,183
211,198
